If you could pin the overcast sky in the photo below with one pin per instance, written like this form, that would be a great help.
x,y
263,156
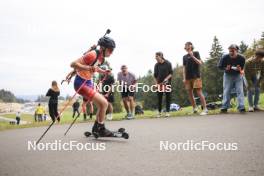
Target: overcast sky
x,y
39,39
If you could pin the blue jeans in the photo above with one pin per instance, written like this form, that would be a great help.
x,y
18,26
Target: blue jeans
x,y
255,90
229,82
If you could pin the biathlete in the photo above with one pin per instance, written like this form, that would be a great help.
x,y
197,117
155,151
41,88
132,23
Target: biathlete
x,y
85,67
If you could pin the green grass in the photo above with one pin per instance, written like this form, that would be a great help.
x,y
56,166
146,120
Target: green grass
x,y
24,117
67,116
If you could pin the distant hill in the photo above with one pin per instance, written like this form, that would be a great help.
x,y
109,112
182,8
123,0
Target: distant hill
x,y
37,98
8,97
28,97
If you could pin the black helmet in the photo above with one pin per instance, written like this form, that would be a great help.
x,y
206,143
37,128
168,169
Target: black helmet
x,y
106,42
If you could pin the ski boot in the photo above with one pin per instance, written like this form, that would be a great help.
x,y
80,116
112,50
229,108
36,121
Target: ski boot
x,y
99,130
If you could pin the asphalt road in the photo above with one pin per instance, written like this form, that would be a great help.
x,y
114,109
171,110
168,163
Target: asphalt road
x,y
141,154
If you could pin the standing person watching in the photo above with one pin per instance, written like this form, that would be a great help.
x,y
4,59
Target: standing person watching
x,y
75,107
162,75
128,81
107,81
53,93
39,113
192,76
18,114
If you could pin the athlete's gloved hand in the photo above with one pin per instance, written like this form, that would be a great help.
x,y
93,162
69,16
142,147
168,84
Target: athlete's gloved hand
x,y
94,68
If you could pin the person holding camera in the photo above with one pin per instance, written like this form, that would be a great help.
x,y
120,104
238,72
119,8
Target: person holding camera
x,y
233,66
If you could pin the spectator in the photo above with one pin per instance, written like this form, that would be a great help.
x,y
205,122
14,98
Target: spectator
x,y
254,73
162,75
45,117
39,113
107,81
192,76
233,65
75,107
128,81
53,93
18,117
87,104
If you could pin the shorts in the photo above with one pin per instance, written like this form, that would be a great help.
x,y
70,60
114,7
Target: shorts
x,y
87,91
110,98
193,84
127,93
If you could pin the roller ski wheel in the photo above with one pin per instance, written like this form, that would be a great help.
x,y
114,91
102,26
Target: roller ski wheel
x,y
125,135
121,130
87,134
115,134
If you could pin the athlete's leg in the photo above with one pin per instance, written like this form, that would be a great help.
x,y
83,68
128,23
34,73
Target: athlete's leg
x,y
101,104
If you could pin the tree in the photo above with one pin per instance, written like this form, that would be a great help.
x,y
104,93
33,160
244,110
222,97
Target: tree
x,y
212,76
178,94
7,96
243,47
42,98
251,50
147,98
261,41
262,36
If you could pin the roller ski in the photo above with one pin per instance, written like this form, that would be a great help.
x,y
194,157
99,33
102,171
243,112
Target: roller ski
x,y
99,131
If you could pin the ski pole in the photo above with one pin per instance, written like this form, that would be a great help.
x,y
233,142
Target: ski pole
x,y
65,106
77,116
70,126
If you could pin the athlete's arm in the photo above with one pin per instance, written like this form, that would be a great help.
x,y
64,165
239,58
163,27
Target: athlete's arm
x,y
77,65
71,74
